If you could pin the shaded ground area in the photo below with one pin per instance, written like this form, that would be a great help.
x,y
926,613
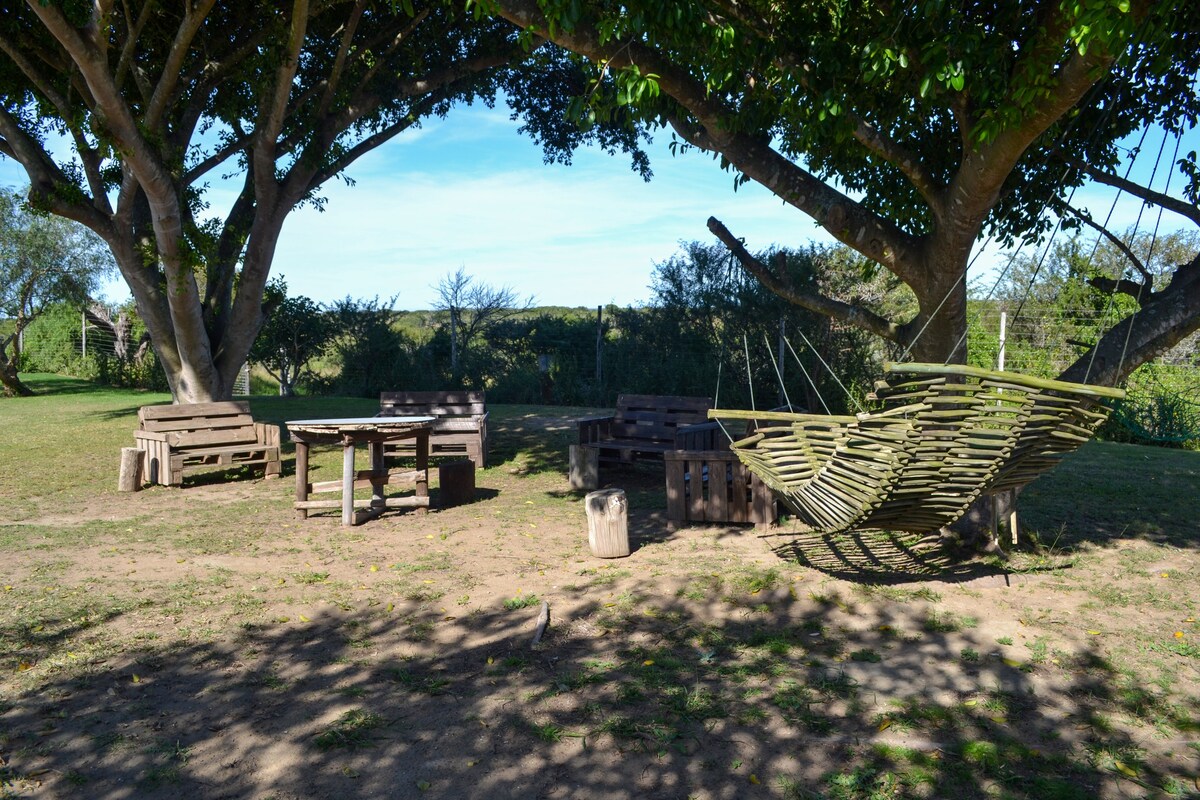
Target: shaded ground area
x,y
205,643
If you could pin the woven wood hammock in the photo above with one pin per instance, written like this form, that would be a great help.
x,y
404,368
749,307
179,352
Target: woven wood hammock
x,y
946,434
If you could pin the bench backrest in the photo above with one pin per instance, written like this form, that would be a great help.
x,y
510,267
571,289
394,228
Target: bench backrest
x,y
196,425
432,404
655,418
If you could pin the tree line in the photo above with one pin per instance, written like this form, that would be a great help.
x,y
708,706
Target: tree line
x,y
906,133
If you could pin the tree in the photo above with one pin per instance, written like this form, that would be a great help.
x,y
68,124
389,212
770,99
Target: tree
x,y
43,260
473,309
905,132
375,355
121,115
297,331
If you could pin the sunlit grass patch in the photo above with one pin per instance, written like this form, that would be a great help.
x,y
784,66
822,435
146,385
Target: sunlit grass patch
x,y
352,731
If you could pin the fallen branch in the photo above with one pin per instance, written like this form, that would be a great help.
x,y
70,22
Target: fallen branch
x,y
543,620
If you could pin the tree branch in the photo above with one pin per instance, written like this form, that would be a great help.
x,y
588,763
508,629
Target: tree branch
x,y
133,29
902,159
339,61
1180,207
813,301
1138,291
192,20
1114,240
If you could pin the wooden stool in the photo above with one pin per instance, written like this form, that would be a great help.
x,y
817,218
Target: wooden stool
x,y
585,468
457,482
608,523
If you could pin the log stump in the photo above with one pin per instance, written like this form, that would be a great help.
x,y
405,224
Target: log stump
x,y
608,523
456,480
585,468
130,478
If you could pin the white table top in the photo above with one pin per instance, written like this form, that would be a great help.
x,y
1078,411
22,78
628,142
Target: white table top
x,y
356,423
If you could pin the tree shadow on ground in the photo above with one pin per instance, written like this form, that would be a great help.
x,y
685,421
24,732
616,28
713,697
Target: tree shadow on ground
x,y
655,696
57,384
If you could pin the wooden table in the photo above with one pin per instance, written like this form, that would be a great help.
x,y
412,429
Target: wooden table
x,y
350,432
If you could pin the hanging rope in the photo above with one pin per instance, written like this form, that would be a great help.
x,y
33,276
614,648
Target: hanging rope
x,y
749,377
717,400
1149,253
828,368
778,374
807,377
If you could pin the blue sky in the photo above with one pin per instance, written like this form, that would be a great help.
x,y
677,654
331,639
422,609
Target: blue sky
x,y
471,192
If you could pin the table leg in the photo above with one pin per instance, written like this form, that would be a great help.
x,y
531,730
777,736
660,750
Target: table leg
x,y
301,476
378,473
347,481
422,447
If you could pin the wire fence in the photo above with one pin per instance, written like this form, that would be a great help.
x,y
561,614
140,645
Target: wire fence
x,y
591,369
92,351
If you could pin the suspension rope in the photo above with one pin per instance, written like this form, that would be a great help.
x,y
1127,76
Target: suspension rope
x,y
1149,277
749,377
807,377
828,368
778,374
717,400
1112,295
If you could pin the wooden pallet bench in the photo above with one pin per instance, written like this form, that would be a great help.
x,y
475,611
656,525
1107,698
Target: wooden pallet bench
x,y
643,426
182,438
459,427
707,486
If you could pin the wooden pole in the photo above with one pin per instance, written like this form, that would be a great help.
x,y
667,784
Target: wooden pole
x,y
1003,339
542,621
130,479
608,523
301,477
347,481
599,348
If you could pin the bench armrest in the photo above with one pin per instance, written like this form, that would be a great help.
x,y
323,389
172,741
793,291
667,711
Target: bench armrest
x,y
701,436
593,429
152,436
267,433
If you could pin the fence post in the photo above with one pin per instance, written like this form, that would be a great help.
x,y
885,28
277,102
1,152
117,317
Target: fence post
x,y
83,331
599,348
1003,336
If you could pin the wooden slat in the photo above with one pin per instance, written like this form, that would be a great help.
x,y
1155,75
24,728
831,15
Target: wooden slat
x,y
193,439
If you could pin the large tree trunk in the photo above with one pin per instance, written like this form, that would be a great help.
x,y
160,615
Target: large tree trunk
x,y
9,379
12,384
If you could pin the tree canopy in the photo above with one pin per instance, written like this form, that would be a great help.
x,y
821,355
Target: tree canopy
x,y
43,260
124,114
906,132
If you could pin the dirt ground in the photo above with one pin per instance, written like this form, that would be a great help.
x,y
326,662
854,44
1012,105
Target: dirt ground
x,y
205,643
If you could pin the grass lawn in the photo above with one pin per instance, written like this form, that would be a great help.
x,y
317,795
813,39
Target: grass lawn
x,y
203,642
